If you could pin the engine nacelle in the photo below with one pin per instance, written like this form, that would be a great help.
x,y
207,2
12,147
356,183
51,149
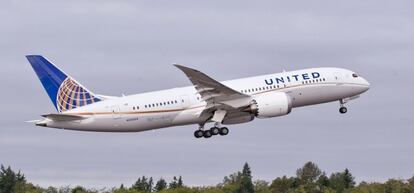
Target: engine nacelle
x,y
271,104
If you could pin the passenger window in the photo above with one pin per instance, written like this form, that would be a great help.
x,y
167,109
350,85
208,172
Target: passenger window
x,y
133,108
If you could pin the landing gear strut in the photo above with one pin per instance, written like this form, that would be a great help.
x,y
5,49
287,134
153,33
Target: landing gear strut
x,y
342,108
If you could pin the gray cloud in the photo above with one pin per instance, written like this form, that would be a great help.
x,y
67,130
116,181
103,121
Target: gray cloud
x,y
116,47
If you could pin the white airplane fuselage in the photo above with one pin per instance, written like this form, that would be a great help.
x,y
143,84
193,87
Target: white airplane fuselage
x,y
183,106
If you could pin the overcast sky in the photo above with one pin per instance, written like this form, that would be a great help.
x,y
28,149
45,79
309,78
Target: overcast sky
x,y
115,47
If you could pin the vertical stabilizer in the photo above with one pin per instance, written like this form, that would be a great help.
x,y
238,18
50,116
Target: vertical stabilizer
x,y
64,91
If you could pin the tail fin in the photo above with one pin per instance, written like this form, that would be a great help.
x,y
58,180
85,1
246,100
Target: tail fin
x,y
64,91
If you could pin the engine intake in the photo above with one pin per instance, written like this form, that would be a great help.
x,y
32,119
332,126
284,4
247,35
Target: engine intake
x,y
271,104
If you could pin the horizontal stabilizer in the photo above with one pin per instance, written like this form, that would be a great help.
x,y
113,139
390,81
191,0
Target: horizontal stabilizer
x,y
63,117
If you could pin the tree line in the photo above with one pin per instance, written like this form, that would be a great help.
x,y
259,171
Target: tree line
x,y
309,179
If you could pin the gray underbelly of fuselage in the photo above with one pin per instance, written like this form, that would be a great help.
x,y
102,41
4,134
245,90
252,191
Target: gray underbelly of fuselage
x,y
316,94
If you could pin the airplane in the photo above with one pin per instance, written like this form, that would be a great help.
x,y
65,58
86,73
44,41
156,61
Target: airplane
x,y
207,101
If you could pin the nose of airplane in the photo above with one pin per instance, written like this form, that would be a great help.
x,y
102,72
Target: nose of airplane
x,y
365,83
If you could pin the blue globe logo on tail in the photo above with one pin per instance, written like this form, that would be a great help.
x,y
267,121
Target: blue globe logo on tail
x,y
72,95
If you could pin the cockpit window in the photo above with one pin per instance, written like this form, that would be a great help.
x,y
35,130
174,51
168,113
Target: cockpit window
x,y
355,75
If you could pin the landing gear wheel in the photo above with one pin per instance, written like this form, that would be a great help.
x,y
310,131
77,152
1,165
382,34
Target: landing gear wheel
x,y
215,130
343,110
198,134
207,134
224,131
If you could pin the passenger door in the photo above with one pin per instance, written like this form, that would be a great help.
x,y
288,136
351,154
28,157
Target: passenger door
x,y
184,101
116,112
337,76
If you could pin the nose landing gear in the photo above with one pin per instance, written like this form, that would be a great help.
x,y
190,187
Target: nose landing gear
x,y
342,108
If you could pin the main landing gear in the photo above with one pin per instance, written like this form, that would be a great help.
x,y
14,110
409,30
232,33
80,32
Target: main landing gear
x,y
216,130
342,108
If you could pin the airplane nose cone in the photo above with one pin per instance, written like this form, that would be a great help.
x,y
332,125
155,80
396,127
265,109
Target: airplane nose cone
x,y
365,84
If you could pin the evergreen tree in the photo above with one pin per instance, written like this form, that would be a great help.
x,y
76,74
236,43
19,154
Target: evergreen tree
x,y
246,184
160,185
323,180
180,182
11,181
143,184
341,181
349,180
174,183
150,184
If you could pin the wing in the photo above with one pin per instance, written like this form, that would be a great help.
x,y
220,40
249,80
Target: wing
x,y
217,95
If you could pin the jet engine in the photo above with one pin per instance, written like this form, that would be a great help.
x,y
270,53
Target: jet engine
x,y
271,104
